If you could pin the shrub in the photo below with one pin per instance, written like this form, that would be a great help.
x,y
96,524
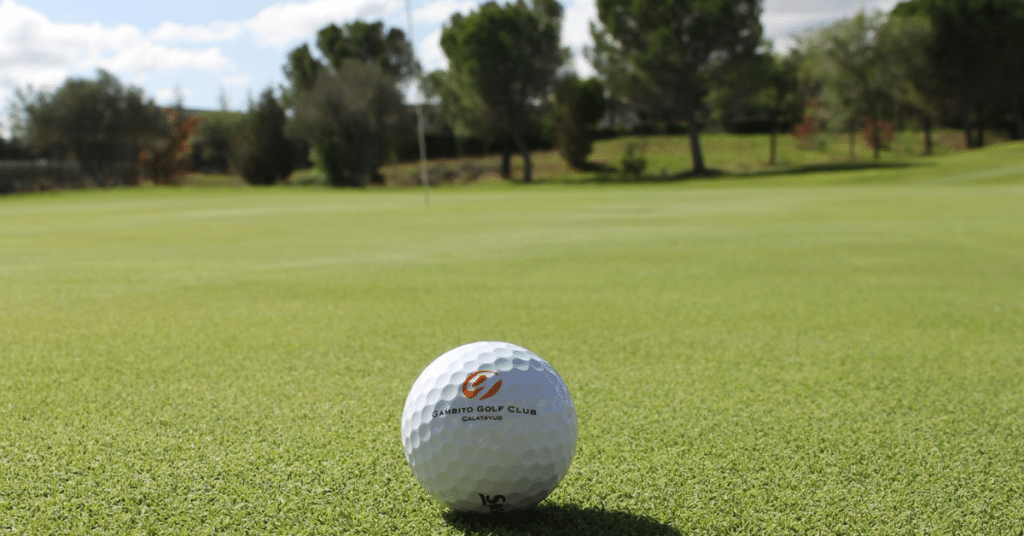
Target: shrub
x,y
174,159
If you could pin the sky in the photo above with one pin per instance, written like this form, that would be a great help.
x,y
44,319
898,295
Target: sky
x,y
200,51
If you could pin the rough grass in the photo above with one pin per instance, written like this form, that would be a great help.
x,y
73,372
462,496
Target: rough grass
x,y
668,158
817,352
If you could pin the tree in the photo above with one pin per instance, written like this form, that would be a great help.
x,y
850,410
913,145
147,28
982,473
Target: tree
x,y
266,155
302,69
13,149
904,42
100,123
580,104
464,111
855,73
976,57
613,70
510,56
676,45
368,43
173,159
785,102
217,141
764,84
223,101
374,106
351,119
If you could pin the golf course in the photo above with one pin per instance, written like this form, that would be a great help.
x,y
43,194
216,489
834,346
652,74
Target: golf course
x,y
822,349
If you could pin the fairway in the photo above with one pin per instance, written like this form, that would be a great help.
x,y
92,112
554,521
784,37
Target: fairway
x,y
807,353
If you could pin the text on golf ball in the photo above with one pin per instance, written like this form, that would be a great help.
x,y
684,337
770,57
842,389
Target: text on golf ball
x,y
484,409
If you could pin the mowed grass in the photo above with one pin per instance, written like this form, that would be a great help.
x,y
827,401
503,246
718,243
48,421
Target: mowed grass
x,y
810,353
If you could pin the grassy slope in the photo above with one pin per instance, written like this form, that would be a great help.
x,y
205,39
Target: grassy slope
x,y
811,353
669,156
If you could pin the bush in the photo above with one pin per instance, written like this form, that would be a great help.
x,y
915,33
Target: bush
x,y
174,159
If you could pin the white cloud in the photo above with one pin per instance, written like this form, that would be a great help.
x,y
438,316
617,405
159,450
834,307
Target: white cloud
x,y
784,19
442,10
215,31
146,56
430,53
16,76
37,51
282,23
29,39
236,80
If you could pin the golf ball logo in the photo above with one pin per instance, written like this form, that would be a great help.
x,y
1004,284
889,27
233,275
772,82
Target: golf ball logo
x,y
479,382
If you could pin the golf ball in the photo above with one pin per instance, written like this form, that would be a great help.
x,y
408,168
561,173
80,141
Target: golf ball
x,y
489,427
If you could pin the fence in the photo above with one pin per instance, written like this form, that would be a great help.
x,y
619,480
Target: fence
x,y
36,175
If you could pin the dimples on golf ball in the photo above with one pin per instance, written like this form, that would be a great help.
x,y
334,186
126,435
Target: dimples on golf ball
x,y
489,427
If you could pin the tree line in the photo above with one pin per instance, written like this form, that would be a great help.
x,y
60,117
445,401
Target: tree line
x,y
669,64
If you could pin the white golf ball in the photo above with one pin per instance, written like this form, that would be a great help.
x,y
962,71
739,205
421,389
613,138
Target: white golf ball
x,y
489,427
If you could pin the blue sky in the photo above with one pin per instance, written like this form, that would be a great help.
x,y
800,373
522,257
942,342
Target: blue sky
x,y
200,48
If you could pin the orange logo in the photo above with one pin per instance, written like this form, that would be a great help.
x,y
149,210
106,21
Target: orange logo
x,y
475,384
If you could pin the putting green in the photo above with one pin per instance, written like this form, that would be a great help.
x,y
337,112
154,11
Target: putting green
x,y
809,353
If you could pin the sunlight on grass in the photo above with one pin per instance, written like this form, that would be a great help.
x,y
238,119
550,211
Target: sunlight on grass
x,y
669,157
800,353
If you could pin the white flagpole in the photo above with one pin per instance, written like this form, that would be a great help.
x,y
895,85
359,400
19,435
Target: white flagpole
x,y
419,111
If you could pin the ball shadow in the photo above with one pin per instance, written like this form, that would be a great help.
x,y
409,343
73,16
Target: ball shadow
x,y
558,520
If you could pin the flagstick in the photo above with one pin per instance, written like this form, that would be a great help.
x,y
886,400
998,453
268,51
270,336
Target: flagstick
x,y
419,111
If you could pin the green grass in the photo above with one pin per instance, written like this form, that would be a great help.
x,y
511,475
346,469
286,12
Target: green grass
x,y
805,353
668,157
